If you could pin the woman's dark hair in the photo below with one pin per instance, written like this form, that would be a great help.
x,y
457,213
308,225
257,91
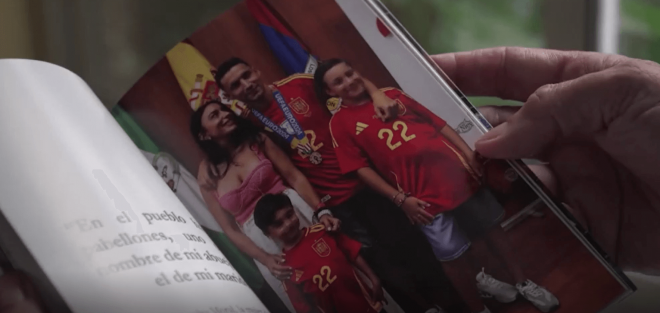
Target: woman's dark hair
x,y
245,132
267,207
319,74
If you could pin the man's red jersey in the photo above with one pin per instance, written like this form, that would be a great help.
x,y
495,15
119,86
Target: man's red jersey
x,y
409,152
314,118
322,268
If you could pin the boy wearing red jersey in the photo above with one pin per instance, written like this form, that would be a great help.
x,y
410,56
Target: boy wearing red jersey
x,y
322,262
427,169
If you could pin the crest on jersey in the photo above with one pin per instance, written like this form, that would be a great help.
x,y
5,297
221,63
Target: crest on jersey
x,y
359,127
298,274
299,106
464,127
321,248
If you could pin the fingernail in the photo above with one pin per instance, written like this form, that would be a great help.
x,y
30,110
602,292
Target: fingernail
x,y
493,134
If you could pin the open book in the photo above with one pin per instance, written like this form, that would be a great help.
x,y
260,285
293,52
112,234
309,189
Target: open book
x,y
215,184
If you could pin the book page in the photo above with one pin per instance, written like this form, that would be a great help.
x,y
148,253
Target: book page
x,y
96,218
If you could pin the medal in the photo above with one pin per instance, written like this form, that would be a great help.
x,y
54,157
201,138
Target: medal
x,y
296,137
315,158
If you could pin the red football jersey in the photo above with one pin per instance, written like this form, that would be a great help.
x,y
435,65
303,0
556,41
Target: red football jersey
x,y
322,268
409,152
326,178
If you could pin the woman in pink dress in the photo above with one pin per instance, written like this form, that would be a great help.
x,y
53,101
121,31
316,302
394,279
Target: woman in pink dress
x,y
248,165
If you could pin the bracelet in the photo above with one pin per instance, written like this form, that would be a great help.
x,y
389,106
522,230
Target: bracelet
x,y
405,196
395,195
323,211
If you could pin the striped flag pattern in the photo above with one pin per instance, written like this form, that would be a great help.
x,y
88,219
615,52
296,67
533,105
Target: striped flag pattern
x,y
292,54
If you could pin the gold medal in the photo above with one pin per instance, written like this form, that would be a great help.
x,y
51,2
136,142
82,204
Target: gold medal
x,y
315,158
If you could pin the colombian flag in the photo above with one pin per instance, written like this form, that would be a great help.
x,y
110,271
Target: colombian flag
x,y
292,54
195,76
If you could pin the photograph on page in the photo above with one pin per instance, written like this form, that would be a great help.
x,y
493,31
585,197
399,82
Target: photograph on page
x,y
337,173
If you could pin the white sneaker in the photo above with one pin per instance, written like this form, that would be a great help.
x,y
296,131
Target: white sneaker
x,y
540,297
502,292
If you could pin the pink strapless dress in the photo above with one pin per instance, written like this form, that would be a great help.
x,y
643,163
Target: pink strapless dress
x,y
263,179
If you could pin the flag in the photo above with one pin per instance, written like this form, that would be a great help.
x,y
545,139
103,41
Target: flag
x,y
292,54
195,76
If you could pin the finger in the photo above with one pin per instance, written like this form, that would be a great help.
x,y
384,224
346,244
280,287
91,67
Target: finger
x,y
498,114
426,215
578,108
515,73
426,218
280,267
382,114
422,204
420,220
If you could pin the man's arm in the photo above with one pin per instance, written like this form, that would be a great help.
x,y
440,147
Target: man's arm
x,y
292,175
295,178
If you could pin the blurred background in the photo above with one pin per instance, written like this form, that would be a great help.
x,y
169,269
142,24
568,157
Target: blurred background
x,y
111,43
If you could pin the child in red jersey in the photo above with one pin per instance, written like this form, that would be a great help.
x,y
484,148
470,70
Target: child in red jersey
x,y
322,262
428,170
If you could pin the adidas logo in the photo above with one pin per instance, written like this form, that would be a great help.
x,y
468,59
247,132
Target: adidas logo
x,y
359,127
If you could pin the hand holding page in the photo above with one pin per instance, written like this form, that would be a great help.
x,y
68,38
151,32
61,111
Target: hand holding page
x,y
95,217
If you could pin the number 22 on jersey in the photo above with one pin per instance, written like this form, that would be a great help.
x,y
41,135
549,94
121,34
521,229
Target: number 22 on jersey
x,y
388,134
324,282
311,135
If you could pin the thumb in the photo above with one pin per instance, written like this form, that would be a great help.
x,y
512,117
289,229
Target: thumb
x,y
498,114
581,107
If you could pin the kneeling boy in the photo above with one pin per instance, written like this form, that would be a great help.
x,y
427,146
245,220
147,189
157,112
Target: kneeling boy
x,y
322,262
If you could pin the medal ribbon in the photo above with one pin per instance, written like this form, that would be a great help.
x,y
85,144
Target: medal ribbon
x,y
299,139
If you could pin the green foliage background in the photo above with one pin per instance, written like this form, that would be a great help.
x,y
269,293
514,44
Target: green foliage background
x,y
458,25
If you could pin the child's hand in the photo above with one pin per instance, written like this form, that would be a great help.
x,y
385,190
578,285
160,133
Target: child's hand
x,y
377,294
415,210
